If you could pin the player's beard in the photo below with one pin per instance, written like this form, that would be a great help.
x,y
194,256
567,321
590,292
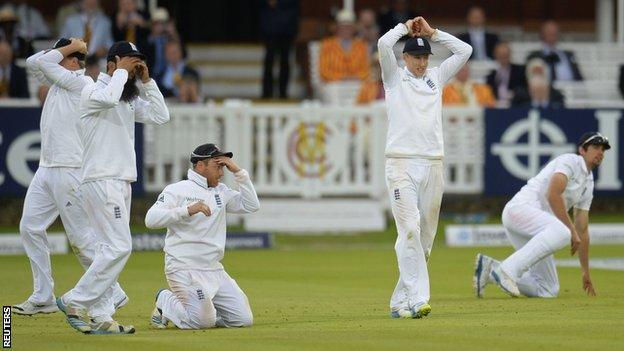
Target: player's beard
x,y
130,90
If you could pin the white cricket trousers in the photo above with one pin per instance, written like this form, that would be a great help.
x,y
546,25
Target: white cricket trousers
x,y
53,192
415,187
535,234
204,299
107,204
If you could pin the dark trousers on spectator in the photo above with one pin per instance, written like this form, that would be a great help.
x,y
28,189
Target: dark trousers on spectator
x,y
274,46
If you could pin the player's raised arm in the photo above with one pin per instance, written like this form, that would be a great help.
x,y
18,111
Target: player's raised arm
x,y
581,223
33,68
50,65
150,107
95,98
460,51
387,59
245,200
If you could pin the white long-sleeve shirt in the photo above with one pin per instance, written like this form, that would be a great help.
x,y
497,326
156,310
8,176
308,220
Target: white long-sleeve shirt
x,y
108,125
198,242
414,105
59,125
578,192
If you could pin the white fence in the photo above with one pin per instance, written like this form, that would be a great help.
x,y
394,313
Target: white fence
x,y
305,151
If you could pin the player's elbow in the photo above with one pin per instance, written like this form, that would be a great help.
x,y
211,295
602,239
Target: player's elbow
x,y
151,221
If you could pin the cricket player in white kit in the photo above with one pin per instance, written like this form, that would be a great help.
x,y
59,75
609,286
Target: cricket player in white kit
x,y
537,224
414,152
109,109
202,294
54,188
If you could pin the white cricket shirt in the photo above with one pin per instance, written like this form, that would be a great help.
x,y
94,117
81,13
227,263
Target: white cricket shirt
x,y
198,242
578,192
107,125
414,105
59,125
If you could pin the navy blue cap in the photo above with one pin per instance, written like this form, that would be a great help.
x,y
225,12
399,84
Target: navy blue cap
x,y
594,138
64,42
417,46
123,48
205,151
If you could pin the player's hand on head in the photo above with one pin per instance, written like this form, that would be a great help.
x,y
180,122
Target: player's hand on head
x,y
410,27
142,71
422,28
228,163
127,62
198,207
79,45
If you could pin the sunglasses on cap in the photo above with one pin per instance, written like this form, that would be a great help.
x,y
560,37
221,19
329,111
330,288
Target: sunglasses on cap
x,y
597,139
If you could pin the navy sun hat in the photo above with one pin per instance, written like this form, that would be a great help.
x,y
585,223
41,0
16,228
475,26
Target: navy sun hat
x,y
122,49
417,46
594,138
205,151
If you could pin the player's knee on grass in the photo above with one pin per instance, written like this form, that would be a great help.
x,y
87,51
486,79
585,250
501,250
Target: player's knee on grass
x,y
245,319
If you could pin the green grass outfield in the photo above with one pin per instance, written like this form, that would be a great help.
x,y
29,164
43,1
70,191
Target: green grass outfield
x,y
331,293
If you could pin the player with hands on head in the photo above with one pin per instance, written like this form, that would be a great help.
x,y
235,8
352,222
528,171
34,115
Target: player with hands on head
x,y
109,109
201,294
414,152
537,223
53,191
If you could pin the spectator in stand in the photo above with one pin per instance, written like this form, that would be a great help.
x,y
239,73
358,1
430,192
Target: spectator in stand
x,y
482,41
506,77
371,89
562,63
175,70
463,91
399,12
8,32
368,30
92,67
537,74
64,12
189,91
13,80
279,20
131,24
31,24
163,30
622,80
92,25
541,95
343,57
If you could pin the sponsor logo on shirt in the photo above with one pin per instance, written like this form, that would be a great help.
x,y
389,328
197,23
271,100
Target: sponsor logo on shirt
x,y
193,199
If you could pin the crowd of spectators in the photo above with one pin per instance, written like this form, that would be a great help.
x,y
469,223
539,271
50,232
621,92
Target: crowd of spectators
x,y
154,34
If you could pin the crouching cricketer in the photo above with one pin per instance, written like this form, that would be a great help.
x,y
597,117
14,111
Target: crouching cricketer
x,y
202,295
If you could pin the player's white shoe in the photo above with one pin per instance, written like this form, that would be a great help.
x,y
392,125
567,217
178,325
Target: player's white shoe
x,y
505,282
111,327
28,308
404,313
483,268
415,312
158,321
76,317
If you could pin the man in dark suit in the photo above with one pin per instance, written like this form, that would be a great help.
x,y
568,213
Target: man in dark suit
x,y
482,42
562,63
174,71
539,94
507,77
13,80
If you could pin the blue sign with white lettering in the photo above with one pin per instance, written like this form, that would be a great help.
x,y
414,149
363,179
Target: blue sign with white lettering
x,y
519,142
20,148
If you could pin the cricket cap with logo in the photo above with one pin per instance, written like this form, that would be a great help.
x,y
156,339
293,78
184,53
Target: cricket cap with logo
x,y
594,138
205,151
122,49
417,46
